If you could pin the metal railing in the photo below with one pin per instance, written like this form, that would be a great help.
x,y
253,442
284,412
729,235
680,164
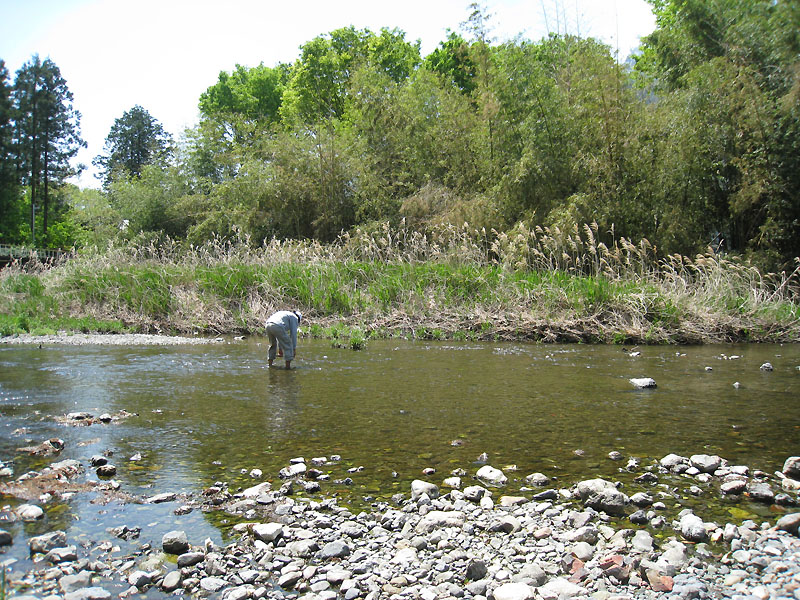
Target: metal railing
x,y
10,254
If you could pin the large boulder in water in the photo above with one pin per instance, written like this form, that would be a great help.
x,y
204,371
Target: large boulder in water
x,y
589,487
175,542
705,463
491,476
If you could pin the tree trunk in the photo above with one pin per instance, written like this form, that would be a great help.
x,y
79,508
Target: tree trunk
x,y
34,180
45,171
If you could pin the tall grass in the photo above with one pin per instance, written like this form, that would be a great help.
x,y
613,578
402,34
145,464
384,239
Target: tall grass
x,y
528,283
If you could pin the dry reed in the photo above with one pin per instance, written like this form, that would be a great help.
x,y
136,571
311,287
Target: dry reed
x,y
527,283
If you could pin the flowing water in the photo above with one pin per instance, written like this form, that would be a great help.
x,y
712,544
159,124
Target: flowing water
x,y
213,413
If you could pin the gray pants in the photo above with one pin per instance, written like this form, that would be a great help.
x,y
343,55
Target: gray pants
x,y
278,335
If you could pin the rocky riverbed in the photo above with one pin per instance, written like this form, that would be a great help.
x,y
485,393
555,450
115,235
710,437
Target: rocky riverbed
x,y
467,536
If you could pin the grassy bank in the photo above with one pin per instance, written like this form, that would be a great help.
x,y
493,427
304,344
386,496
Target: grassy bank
x,y
450,284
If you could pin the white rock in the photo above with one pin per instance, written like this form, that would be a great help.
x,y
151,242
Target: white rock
x,y
419,487
294,469
257,490
733,487
514,591
88,593
267,532
589,487
474,493
139,579
70,583
212,584
29,512
405,556
705,463
491,476
437,519
692,528
583,551
642,383
560,588
642,541
671,461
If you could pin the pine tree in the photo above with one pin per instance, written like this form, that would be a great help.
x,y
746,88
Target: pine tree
x,y
47,132
136,139
10,209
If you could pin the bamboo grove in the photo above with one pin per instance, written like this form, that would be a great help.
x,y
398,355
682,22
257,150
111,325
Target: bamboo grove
x,y
692,142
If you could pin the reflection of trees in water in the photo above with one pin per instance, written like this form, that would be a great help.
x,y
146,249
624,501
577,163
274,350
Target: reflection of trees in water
x,y
243,425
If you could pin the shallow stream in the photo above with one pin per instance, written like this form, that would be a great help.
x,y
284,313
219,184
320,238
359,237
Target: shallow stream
x,y
211,413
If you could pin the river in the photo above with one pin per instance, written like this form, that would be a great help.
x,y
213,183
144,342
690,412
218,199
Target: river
x,y
210,413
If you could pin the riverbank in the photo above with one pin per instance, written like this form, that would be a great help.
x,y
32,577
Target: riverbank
x,y
468,536
456,284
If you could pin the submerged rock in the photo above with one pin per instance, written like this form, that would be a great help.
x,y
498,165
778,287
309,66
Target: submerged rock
x,y
539,479
46,542
46,448
760,492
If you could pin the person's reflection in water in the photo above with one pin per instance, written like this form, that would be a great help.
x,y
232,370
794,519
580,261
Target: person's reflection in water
x,y
282,400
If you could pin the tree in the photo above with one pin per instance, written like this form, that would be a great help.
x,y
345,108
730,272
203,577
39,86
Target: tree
x,y
136,140
734,64
453,62
11,211
318,88
254,93
47,130
146,203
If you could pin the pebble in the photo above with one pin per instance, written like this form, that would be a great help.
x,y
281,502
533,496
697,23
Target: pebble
x,y
427,544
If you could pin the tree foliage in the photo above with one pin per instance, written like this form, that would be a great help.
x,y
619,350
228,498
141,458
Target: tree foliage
x,y
731,68
136,140
12,218
47,134
252,93
694,142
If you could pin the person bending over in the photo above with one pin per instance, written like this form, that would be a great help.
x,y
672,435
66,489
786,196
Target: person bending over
x,y
282,332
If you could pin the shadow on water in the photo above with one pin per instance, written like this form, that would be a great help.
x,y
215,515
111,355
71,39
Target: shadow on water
x,y
213,413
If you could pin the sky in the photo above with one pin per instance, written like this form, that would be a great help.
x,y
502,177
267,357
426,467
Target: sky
x,y
162,54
